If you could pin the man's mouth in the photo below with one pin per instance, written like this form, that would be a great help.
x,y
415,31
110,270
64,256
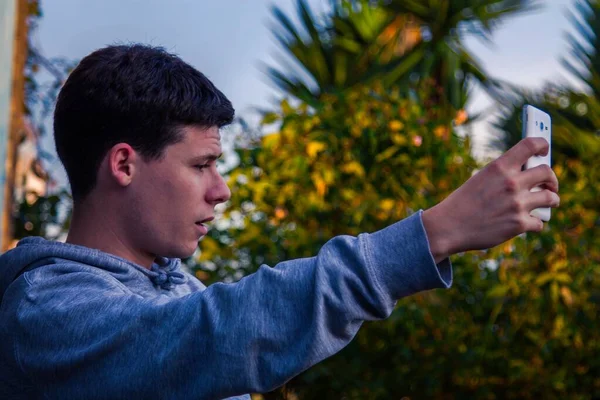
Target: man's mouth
x,y
202,228
202,222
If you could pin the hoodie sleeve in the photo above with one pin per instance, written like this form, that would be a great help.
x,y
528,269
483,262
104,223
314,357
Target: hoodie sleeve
x,y
96,340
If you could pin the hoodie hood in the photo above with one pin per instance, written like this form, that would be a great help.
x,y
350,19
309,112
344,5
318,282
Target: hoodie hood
x,y
35,252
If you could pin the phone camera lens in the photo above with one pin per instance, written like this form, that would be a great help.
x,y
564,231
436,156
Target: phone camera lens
x,y
541,126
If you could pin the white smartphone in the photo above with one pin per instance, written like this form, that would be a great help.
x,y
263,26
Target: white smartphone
x,y
537,123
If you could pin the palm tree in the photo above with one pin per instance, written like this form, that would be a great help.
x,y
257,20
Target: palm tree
x,y
332,54
575,113
394,42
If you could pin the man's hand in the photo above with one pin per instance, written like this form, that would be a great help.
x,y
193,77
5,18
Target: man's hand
x,y
494,205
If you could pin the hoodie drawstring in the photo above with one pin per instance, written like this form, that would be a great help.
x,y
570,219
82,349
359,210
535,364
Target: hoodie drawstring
x,y
164,274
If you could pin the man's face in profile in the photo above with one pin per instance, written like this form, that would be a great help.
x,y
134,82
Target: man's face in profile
x,y
174,195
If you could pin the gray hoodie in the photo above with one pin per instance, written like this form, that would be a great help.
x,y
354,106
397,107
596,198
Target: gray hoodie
x,y
78,323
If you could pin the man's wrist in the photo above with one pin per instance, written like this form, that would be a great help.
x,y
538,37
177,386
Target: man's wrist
x,y
439,234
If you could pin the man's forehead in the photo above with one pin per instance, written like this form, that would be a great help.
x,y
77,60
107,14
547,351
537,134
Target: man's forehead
x,y
212,132
197,136
200,142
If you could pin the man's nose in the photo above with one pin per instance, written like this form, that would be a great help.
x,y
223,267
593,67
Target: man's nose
x,y
219,192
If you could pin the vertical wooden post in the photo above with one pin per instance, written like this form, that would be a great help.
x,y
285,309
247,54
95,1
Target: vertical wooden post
x,y
16,119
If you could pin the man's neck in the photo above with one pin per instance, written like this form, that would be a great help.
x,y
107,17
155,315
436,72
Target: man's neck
x,y
95,231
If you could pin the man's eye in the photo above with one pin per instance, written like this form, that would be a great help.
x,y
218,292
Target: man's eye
x,y
202,166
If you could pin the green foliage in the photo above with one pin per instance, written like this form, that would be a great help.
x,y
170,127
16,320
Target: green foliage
x,y
521,320
559,291
36,213
554,279
394,42
584,61
358,162
335,52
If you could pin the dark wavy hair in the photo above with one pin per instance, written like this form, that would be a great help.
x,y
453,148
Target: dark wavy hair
x,y
137,94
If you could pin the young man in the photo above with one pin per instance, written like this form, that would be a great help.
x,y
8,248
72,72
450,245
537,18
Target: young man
x,y
110,314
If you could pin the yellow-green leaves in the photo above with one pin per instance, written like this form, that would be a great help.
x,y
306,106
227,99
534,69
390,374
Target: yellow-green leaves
x,y
313,148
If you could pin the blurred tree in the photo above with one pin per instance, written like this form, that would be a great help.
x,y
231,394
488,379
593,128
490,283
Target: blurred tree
x,y
522,319
397,42
550,309
365,159
38,209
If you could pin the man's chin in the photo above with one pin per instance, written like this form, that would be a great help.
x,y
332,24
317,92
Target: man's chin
x,y
182,252
188,253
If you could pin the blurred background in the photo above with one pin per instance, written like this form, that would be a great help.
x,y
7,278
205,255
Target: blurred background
x,y
351,115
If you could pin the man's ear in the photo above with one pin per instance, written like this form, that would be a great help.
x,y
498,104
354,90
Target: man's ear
x,y
122,163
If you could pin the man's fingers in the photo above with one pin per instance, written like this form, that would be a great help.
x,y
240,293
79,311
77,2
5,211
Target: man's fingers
x,y
533,224
518,155
543,198
542,175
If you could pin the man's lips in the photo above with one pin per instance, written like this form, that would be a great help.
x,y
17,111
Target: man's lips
x,y
202,229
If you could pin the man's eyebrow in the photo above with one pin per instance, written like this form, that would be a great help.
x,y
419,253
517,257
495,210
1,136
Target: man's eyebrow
x,y
207,157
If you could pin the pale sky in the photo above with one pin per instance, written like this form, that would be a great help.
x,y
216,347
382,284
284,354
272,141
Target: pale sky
x,y
227,40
